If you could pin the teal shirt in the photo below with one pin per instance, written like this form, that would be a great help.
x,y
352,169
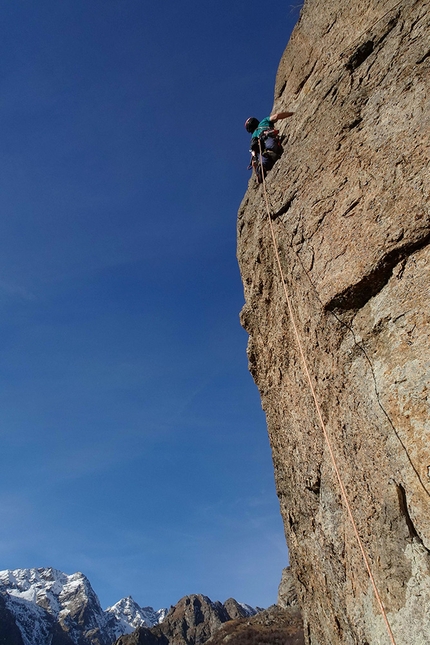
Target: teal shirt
x,y
265,124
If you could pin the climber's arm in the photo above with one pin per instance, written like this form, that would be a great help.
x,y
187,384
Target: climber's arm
x,y
280,115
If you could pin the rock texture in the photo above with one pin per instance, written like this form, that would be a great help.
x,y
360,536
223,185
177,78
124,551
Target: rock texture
x,y
192,621
287,594
9,631
350,202
274,626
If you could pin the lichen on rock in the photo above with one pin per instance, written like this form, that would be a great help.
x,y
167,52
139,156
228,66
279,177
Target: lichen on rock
x,y
351,214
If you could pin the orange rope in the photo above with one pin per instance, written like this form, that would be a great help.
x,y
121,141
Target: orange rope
x,y
326,436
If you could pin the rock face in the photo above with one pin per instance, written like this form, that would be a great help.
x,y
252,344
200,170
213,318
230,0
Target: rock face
x,y
192,621
351,218
9,631
273,626
287,595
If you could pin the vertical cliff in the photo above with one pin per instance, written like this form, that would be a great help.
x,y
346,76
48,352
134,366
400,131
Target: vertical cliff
x,y
351,216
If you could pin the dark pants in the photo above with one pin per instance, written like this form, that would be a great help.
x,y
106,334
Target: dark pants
x,y
272,150
267,160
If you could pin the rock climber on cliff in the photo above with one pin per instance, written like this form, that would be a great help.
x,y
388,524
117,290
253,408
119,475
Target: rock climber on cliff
x,y
265,136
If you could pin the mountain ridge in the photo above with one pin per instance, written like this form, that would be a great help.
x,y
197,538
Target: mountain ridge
x,y
47,603
192,621
42,606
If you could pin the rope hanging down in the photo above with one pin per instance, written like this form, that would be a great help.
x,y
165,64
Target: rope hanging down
x,y
318,410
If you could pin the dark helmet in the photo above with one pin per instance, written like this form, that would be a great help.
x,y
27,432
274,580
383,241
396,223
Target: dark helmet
x,y
251,124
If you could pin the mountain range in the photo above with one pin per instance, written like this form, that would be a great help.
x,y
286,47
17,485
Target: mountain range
x,y
45,606
192,621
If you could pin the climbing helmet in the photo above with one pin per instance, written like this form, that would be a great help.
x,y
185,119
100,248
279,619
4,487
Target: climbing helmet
x,y
251,124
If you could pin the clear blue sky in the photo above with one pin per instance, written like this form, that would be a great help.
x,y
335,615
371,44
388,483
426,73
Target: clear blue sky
x,y
134,448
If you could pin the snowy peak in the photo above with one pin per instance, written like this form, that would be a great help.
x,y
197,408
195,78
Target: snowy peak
x,y
47,602
48,606
54,591
130,615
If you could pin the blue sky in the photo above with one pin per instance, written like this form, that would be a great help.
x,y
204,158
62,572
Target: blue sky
x,y
134,448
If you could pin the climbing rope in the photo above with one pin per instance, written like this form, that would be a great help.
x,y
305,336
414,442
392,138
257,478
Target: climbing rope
x,y
359,345
318,410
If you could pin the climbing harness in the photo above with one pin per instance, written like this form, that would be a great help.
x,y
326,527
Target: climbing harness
x,y
271,152
319,414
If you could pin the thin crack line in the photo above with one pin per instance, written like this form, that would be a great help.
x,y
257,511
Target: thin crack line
x,y
361,347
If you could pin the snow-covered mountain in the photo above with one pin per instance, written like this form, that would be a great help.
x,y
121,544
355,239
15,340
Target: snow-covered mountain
x,y
47,607
130,616
53,608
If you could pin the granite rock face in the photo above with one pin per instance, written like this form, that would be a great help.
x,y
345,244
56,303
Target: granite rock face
x,y
351,217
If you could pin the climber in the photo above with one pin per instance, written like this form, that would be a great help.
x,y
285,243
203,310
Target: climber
x,y
265,136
